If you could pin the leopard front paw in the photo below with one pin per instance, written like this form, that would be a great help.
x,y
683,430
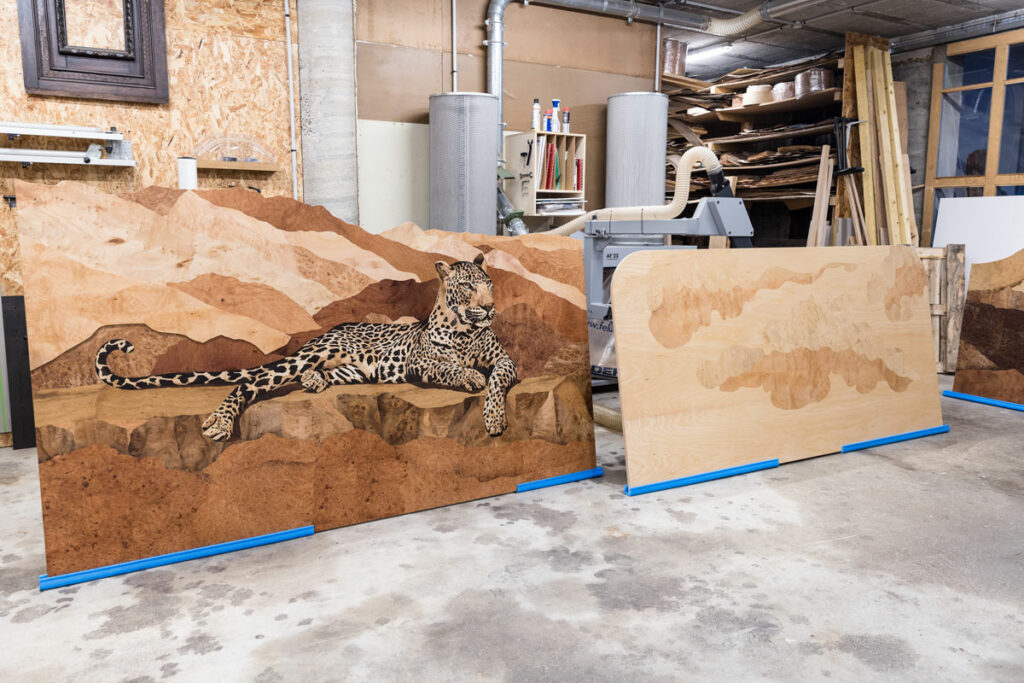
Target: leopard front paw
x,y
313,381
495,422
473,381
218,427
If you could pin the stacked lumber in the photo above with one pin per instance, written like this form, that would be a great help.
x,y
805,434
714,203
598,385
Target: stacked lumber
x,y
878,146
682,101
817,230
779,194
682,135
780,178
684,83
776,132
739,79
790,155
707,114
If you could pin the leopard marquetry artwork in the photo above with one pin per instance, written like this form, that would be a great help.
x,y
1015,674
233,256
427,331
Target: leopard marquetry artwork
x,y
216,365
448,349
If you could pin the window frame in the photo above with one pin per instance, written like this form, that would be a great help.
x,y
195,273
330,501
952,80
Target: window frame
x,y
991,178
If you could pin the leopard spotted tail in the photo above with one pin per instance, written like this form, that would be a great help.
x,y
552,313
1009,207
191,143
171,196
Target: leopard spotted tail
x,y
177,379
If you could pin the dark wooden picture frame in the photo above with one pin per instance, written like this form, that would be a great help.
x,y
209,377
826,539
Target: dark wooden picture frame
x,y
138,73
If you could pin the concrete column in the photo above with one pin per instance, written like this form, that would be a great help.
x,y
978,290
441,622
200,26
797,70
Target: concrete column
x,y
327,82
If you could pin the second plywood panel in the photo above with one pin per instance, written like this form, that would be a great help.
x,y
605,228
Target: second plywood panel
x,y
733,357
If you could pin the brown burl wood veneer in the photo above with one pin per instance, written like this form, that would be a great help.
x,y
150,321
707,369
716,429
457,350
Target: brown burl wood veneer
x,y
733,357
991,358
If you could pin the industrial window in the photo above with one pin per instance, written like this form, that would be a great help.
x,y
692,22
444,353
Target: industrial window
x,y
976,131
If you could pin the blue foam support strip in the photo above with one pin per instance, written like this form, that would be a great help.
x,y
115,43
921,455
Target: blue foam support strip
x,y
982,399
48,582
907,436
560,479
698,478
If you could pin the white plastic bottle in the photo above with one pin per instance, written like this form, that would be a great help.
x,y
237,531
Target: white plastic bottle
x,y
556,116
535,117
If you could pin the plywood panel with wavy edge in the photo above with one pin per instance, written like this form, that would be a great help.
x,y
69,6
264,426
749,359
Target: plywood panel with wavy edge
x,y
731,357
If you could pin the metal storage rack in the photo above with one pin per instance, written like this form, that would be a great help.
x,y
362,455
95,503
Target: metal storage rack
x,y
526,189
818,107
114,150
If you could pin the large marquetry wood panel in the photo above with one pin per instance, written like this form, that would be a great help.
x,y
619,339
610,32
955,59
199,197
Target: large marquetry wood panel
x,y
201,282
732,357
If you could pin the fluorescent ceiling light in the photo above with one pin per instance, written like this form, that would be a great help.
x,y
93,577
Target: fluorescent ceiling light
x,y
702,54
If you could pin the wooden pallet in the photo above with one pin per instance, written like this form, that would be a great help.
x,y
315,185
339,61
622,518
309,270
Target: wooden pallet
x,y
945,269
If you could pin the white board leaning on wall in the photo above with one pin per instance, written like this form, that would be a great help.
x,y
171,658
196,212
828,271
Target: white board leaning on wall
x,y
991,228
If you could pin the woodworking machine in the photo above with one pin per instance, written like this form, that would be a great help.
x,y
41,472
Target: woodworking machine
x,y
607,241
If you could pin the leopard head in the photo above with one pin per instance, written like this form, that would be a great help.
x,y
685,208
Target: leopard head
x,y
468,292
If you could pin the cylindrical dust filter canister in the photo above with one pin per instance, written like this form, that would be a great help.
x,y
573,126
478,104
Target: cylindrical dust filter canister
x,y
635,153
463,162
188,174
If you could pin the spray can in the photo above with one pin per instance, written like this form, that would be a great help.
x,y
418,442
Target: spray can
x,y
565,121
547,121
535,116
556,116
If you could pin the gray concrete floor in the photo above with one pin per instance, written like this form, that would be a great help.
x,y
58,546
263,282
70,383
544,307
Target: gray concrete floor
x,y
904,563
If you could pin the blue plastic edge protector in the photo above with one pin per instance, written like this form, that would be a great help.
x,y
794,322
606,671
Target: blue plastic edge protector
x,y
48,582
982,399
941,429
560,479
698,478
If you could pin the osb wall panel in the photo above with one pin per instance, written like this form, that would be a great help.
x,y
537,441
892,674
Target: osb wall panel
x,y
96,23
403,56
227,74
